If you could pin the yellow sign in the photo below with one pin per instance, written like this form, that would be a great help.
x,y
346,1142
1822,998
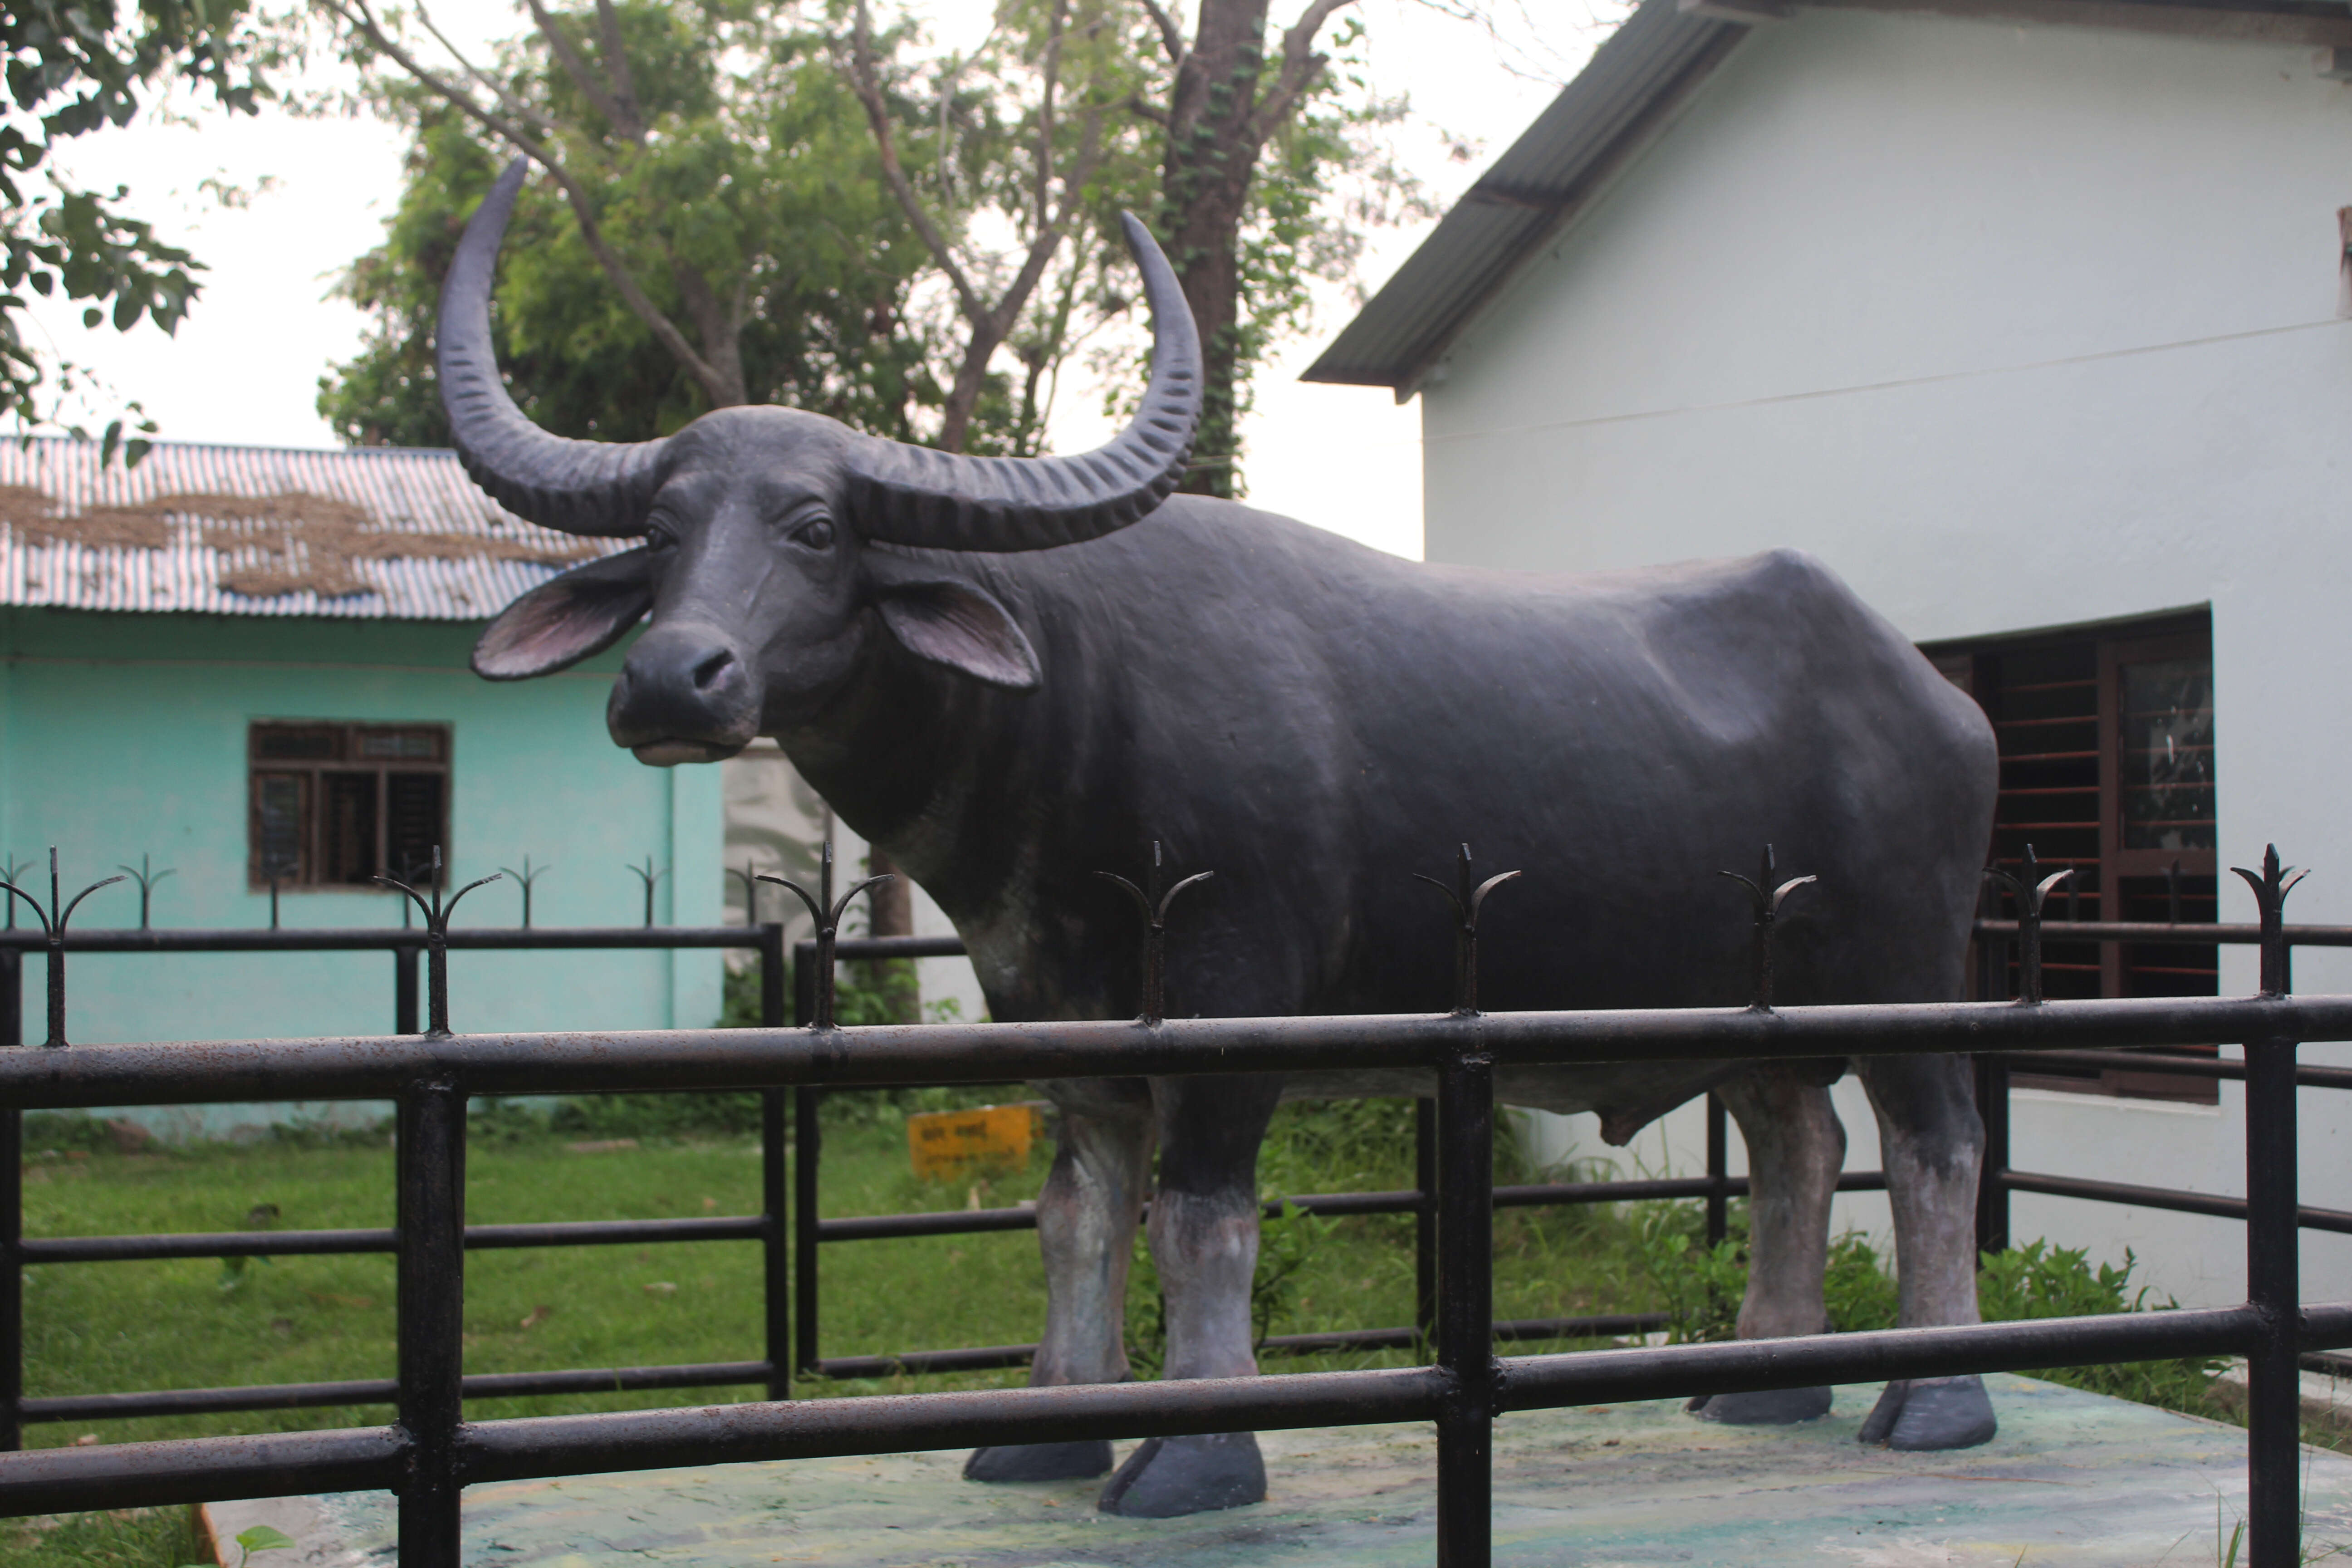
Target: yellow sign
x,y
945,1144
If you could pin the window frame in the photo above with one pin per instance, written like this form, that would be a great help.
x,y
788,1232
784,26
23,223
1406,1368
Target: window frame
x,y
307,874
1970,664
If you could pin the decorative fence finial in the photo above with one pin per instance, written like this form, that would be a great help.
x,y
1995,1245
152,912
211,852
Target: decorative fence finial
x,y
2030,889
1153,906
2271,889
53,924
648,875
15,868
750,881
146,879
1465,900
828,912
436,949
1768,899
527,876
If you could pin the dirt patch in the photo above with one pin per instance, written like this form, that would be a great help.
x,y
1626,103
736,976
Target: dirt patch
x,y
290,543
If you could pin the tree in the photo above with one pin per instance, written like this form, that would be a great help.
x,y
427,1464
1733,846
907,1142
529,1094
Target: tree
x,y
708,234
1245,236
73,68
1030,147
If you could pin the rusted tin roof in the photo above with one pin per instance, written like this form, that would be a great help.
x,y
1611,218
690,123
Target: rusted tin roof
x,y
364,533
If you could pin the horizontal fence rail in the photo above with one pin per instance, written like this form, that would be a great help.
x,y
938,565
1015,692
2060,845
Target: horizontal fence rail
x,y
429,1454
449,1069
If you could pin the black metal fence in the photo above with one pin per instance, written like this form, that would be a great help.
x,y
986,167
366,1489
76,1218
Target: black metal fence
x,y
431,1453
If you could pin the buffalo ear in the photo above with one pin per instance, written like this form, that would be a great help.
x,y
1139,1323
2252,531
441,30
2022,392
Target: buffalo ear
x,y
961,626
566,618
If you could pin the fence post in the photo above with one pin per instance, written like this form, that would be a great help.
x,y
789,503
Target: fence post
x,y
12,1278
12,1203
404,990
1719,1171
1992,1175
805,1140
776,1230
1424,1221
432,1296
2273,1285
1466,1302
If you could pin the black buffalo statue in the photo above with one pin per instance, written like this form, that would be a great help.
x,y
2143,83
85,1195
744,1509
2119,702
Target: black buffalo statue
x,y
1012,673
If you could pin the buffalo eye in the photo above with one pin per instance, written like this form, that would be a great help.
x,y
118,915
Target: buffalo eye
x,y
817,534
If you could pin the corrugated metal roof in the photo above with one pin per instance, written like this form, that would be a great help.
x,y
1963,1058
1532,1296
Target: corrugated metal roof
x,y
362,533
1622,96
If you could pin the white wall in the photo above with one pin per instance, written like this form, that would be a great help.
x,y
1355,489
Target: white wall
x,y
777,823
2015,327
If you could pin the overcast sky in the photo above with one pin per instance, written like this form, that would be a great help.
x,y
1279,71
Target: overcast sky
x,y
244,368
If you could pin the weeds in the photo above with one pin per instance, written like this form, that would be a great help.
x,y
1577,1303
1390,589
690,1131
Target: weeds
x,y
1701,1287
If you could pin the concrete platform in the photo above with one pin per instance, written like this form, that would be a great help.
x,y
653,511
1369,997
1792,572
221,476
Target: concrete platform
x,y
2074,1478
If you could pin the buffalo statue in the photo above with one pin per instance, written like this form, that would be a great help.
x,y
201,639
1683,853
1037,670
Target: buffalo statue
x,y
1012,673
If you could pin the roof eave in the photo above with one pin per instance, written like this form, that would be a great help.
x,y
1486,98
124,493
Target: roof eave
x,y
1405,329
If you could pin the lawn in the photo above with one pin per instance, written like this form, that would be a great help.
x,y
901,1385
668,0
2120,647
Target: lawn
x,y
97,1328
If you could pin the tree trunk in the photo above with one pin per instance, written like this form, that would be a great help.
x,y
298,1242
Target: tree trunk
x,y
1213,150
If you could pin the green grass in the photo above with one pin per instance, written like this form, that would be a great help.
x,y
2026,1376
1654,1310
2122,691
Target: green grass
x,y
98,1328
132,1538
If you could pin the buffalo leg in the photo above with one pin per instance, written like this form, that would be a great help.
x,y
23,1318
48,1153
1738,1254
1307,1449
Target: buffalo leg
x,y
1205,1243
1934,1146
1087,1218
1796,1147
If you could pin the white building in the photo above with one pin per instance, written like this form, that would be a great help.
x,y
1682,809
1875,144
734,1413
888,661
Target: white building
x,y
2029,317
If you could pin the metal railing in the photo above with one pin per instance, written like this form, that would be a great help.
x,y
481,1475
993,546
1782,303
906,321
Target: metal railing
x,y
55,939
430,1454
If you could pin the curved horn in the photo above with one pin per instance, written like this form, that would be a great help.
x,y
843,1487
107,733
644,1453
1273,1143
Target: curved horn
x,y
915,495
580,487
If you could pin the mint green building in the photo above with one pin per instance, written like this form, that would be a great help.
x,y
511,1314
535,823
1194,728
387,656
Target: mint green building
x,y
240,662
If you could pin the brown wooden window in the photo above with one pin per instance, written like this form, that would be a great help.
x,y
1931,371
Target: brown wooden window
x,y
2108,766
335,805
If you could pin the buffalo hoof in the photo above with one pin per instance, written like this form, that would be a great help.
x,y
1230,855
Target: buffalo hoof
x,y
1169,1477
1038,1462
1770,1407
1923,1413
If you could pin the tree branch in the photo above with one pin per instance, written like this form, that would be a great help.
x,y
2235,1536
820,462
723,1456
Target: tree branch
x,y
869,88
597,92
1171,36
1045,170
514,105
1300,66
357,14
616,68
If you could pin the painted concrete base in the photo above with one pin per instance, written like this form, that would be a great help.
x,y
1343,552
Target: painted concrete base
x,y
2074,1478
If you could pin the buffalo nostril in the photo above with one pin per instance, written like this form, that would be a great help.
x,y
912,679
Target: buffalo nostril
x,y
713,669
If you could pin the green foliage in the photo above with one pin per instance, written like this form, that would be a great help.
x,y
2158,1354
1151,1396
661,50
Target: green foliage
x,y
260,1538
62,1130
1701,1287
73,68
753,183
2039,1281
1322,183
132,1538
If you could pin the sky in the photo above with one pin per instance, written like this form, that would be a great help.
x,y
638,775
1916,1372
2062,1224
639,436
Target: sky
x,y
244,368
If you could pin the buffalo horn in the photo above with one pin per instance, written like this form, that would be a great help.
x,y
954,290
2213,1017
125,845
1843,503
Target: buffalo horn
x,y
944,501
580,487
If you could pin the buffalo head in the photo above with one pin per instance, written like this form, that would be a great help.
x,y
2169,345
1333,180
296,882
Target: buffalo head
x,y
757,521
